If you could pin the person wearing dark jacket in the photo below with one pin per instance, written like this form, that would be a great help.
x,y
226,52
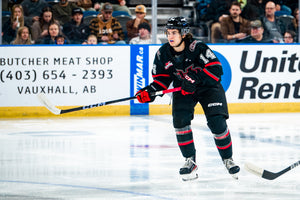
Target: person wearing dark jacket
x,y
33,10
190,64
76,31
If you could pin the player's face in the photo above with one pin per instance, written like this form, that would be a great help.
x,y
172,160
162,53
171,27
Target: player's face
x,y
174,37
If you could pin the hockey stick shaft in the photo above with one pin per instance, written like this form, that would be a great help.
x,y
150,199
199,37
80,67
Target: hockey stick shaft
x,y
57,111
267,174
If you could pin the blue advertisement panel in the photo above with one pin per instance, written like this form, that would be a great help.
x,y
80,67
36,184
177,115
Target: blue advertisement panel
x,y
139,73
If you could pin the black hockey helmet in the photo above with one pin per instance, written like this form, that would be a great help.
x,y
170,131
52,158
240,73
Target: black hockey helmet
x,y
179,23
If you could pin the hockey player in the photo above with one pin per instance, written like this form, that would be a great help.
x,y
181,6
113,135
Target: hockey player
x,y
191,64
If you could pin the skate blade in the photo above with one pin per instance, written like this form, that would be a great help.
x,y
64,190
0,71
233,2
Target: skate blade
x,y
189,177
235,176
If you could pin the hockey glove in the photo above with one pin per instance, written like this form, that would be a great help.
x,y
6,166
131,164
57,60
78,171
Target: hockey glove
x,y
143,95
189,83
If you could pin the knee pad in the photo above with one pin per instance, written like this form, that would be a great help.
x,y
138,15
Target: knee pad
x,y
217,124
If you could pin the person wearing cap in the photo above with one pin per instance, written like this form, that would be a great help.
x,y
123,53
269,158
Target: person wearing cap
x,y
75,29
132,25
144,35
106,27
63,11
256,34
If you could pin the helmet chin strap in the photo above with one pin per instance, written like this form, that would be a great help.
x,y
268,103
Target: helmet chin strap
x,y
180,43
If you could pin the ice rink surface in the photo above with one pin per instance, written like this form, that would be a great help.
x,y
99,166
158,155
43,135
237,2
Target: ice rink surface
x,y
137,158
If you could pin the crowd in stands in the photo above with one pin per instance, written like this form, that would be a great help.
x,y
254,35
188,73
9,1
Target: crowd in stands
x,y
66,22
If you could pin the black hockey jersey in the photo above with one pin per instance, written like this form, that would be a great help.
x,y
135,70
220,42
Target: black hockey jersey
x,y
196,58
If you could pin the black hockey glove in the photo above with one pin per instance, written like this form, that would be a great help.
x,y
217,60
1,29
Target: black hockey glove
x,y
189,83
143,95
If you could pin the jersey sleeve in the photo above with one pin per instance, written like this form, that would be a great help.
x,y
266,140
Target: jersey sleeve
x,y
160,73
211,66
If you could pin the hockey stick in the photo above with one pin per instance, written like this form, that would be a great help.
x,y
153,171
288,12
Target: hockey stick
x,y
58,111
267,174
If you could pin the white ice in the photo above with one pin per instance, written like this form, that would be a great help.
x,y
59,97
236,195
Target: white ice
x,y
137,158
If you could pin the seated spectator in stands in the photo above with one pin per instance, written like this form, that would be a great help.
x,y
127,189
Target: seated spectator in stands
x,y
281,8
289,36
53,31
144,36
234,26
270,23
118,5
132,25
63,11
257,34
75,29
33,10
61,39
253,10
39,28
15,21
23,36
85,5
215,13
296,19
92,39
107,28
201,9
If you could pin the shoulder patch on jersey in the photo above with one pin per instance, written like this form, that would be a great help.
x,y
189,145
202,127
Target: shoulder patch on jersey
x,y
158,54
193,45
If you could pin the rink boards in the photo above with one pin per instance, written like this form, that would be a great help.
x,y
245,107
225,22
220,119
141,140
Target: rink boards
x,y
257,78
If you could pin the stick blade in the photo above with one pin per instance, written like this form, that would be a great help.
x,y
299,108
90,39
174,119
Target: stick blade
x,y
254,169
42,98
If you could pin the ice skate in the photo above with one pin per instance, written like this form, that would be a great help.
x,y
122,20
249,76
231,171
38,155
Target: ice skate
x,y
232,168
188,170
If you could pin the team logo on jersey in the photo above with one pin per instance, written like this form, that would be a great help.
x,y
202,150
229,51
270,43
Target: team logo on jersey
x,y
168,65
193,45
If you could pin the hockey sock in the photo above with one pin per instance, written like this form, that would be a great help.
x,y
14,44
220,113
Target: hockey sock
x,y
224,144
185,141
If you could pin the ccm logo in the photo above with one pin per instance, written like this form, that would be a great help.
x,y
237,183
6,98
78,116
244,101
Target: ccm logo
x,y
189,78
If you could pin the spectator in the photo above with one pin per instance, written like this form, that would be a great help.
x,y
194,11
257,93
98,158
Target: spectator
x,y
92,39
63,11
33,10
23,36
53,31
253,10
107,28
15,21
76,30
132,25
144,36
235,27
289,36
118,5
257,34
39,28
282,8
270,23
61,40
215,13
201,9
85,5
296,19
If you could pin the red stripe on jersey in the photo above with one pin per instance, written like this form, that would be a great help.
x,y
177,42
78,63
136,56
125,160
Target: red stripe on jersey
x,y
185,143
159,75
211,75
222,137
183,132
159,83
212,63
225,147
